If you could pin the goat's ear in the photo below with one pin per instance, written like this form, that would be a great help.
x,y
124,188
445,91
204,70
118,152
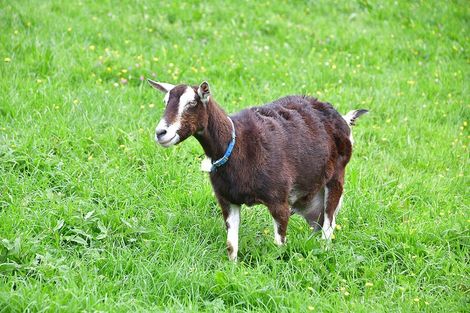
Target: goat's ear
x,y
163,87
204,92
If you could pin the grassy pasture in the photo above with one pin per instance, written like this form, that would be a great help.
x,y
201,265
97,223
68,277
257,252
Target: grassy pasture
x,y
95,217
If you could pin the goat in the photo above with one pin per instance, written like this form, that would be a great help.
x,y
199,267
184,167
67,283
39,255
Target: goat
x,y
290,153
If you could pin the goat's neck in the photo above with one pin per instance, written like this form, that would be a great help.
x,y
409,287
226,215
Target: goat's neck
x,y
215,138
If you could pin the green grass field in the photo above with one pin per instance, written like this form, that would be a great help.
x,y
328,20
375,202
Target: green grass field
x,y
95,217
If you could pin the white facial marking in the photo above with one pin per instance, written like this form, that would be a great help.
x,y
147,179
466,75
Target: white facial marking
x,y
233,223
171,136
185,98
277,237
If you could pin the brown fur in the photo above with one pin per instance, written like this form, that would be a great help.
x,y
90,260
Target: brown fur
x,y
286,152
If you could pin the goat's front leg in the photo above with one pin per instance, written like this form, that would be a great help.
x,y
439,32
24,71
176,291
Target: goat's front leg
x,y
231,213
280,214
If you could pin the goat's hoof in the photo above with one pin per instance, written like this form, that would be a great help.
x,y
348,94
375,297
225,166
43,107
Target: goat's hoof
x,y
327,237
327,245
327,234
232,254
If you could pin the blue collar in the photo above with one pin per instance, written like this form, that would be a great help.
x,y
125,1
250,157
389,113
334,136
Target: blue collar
x,y
228,152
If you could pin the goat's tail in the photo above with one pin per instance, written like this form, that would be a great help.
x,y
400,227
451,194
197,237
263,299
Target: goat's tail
x,y
351,117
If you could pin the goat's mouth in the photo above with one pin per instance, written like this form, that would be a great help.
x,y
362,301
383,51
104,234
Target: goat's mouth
x,y
170,142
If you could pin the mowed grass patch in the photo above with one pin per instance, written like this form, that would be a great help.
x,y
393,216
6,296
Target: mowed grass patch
x,y
95,217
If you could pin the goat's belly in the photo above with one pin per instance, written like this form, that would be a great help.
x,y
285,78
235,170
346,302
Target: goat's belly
x,y
239,199
294,195
306,198
233,195
311,208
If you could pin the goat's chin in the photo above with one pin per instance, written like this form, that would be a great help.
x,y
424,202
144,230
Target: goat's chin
x,y
173,141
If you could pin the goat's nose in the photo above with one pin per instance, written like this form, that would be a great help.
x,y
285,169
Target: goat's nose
x,y
160,133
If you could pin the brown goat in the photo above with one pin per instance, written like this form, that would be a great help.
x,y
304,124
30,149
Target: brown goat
x,y
290,153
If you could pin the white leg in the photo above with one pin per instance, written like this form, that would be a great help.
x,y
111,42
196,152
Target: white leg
x,y
277,237
233,223
328,226
339,206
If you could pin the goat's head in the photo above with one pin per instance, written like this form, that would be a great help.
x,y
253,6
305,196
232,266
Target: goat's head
x,y
185,112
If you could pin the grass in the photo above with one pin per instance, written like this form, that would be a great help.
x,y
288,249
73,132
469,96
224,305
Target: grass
x,y
95,217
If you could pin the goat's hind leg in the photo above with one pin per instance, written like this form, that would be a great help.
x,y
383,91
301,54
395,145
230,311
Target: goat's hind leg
x,y
333,199
280,214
